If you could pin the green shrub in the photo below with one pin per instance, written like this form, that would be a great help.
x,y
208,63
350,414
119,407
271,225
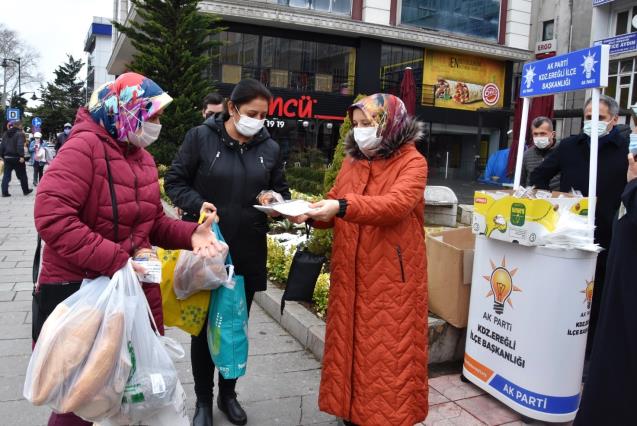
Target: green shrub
x,y
279,261
320,242
161,170
321,294
306,179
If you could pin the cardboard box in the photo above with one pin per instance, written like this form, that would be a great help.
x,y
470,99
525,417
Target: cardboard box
x,y
449,267
501,216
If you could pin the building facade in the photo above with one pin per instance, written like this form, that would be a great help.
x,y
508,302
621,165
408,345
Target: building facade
x,y
317,55
98,47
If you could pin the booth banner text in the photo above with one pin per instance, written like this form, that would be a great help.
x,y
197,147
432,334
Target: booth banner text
x,y
463,81
528,322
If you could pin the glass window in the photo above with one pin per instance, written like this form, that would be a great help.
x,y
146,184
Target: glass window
x,y
333,6
394,60
478,18
621,82
621,26
547,30
285,63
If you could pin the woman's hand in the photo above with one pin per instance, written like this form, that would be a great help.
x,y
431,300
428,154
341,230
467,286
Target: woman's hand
x,y
632,168
324,210
207,208
204,242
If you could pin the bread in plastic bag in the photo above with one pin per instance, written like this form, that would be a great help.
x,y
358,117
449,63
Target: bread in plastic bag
x,y
80,362
194,273
153,378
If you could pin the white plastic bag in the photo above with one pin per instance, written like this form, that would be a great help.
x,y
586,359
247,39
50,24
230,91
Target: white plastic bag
x,y
80,362
195,273
174,414
153,379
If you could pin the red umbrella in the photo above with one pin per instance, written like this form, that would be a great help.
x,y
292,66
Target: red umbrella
x,y
542,106
408,91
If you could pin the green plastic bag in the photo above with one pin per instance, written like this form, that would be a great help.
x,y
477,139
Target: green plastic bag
x,y
228,326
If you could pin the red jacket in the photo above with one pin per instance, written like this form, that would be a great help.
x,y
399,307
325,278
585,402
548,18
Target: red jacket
x,y
74,215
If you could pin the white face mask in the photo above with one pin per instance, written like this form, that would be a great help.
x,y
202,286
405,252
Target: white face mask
x,y
542,142
602,128
149,134
366,139
248,126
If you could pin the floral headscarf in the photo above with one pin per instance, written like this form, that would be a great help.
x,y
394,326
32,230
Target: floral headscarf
x,y
121,106
387,111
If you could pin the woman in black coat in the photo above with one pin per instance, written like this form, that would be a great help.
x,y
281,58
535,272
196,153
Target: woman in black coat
x,y
223,165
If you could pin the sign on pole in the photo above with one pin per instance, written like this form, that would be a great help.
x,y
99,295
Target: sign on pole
x,y
582,69
36,122
620,44
13,114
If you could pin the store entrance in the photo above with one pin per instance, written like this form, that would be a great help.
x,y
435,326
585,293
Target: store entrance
x,y
454,156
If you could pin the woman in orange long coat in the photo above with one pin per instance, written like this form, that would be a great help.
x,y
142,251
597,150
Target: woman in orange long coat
x,y
375,360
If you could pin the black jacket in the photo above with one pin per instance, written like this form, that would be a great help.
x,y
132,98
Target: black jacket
x,y
571,160
60,140
212,167
12,144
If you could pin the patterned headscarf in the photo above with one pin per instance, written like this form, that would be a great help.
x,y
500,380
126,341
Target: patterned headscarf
x,y
387,111
121,106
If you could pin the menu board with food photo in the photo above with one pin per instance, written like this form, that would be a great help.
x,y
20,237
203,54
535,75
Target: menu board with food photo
x,y
463,81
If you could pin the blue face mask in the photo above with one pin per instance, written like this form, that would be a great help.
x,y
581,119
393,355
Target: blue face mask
x,y
633,144
67,131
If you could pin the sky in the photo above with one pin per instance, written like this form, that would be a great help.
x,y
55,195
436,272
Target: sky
x,y
54,27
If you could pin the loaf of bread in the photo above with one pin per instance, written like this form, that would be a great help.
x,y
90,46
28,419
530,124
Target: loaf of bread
x,y
63,349
100,365
107,401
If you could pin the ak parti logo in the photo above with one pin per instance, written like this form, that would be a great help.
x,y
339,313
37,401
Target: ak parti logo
x,y
501,282
588,292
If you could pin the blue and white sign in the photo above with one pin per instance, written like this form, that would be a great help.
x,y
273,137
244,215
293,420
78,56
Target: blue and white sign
x,y
600,2
13,114
582,69
620,44
36,122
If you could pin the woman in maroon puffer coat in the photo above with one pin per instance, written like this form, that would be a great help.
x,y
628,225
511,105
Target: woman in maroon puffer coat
x,y
74,211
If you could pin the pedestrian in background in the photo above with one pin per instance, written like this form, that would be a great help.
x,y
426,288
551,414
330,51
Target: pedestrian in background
x,y
62,137
12,152
38,157
212,104
222,166
375,360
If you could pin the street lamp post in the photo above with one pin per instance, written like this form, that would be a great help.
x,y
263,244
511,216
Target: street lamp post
x,y
5,64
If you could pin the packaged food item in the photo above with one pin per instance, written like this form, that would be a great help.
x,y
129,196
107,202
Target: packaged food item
x,y
149,260
515,217
269,197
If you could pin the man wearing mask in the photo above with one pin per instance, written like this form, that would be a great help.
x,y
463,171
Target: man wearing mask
x,y
62,137
544,143
12,152
212,104
571,160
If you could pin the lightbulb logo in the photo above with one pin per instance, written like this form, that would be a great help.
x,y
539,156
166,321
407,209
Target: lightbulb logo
x,y
529,76
501,281
588,292
589,64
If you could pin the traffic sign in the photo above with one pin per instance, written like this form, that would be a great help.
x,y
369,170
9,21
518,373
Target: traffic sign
x,y
582,69
36,122
13,114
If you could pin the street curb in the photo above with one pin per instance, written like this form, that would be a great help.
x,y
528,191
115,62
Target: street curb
x,y
446,343
302,324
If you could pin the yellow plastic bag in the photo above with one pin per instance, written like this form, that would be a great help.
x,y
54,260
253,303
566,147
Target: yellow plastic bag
x,y
189,314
